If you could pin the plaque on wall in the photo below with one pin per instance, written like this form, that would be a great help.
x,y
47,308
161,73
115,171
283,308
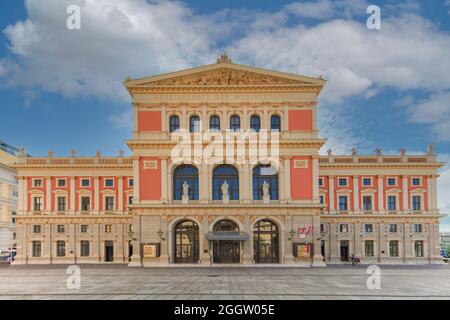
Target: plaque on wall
x,y
150,250
302,250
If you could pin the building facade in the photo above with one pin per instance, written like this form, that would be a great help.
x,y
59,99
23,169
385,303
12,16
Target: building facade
x,y
225,169
8,196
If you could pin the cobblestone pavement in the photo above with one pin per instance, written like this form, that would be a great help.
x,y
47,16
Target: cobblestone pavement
x,y
122,282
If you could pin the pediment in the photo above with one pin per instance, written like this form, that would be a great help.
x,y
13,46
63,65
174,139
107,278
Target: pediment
x,y
225,74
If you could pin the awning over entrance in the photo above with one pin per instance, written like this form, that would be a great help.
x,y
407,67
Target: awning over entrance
x,y
227,235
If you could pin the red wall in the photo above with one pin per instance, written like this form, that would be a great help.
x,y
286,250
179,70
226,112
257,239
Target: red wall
x,y
300,120
301,180
149,180
149,121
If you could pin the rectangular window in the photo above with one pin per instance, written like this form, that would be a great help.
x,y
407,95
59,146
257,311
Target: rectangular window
x,y
342,182
130,200
393,248
109,203
368,228
367,182
61,183
85,204
321,199
131,182
60,248
418,248
322,227
36,249
84,228
392,203
416,203
320,182
368,248
391,182
61,203
416,181
84,248
36,228
85,182
367,203
393,228
108,228
61,228
37,183
343,203
417,228
37,203
343,227
109,182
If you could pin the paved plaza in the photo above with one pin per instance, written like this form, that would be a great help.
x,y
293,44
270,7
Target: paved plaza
x,y
122,282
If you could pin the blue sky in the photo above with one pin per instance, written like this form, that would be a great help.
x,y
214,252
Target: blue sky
x,y
388,88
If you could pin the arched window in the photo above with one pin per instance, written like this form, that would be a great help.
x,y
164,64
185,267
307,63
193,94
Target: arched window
x,y
187,245
190,175
266,242
275,123
230,175
214,123
261,174
255,123
174,123
194,124
235,123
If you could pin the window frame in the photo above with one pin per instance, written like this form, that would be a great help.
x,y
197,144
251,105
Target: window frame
x,y
342,179
85,179
108,179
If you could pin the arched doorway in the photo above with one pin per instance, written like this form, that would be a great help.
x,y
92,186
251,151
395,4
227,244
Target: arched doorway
x,y
266,245
226,251
186,240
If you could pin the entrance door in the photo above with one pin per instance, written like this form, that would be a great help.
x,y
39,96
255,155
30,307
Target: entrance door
x,y
226,251
109,251
344,250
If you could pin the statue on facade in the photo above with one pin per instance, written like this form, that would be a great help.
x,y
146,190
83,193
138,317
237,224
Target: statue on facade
x,y
402,151
185,189
378,152
185,195
50,154
431,149
225,195
98,154
354,152
266,195
22,152
73,153
330,152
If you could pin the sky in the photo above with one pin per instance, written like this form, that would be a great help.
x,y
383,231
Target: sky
x,y
62,89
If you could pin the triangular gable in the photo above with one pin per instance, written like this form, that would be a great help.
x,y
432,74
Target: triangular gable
x,y
225,73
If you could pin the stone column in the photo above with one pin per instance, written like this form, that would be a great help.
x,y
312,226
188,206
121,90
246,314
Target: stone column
x,y
288,243
136,193
120,194
164,118
405,196
331,194
247,246
318,258
205,257
383,245
247,183
21,205
184,121
266,123
164,196
356,207
203,186
407,245
380,194
136,260
357,246
315,177
287,179
48,195
96,195
164,257
72,195
333,243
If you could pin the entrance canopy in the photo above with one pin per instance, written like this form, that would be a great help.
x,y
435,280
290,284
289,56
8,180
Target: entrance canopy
x,y
227,235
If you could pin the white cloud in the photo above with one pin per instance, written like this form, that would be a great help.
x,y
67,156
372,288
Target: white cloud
x,y
321,9
123,120
138,38
435,111
117,39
